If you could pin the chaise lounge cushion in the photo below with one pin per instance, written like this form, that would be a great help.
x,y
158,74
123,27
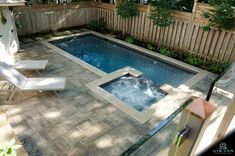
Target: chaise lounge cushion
x,y
30,64
44,84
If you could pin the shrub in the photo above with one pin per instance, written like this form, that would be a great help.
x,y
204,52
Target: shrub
x,y
97,25
216,67
129,39
194,60
161,14
165,51
150,46
127,9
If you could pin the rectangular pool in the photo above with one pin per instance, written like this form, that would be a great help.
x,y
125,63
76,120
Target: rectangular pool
x,y
109,56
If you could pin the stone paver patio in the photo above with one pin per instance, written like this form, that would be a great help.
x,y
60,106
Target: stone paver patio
x,y
78,122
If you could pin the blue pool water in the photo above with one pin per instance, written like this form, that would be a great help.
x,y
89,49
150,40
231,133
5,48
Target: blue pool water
x,y
139,93
109,57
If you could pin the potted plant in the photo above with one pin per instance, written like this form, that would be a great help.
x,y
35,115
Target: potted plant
x,y
9,149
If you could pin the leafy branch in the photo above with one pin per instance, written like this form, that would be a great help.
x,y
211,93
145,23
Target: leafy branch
x,y
127,9
222,16
161,14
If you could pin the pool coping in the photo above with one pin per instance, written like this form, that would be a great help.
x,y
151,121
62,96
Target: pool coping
x,y
200,73
141,117
153,110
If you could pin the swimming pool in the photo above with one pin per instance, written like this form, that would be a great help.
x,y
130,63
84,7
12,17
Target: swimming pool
x,y
104,55
109,56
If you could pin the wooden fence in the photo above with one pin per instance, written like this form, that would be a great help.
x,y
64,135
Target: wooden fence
x,y
46,18
185,34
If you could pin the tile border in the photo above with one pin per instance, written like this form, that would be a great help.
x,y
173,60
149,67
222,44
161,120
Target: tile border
x,y
141,117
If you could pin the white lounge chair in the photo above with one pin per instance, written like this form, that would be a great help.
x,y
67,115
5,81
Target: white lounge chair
x,y
30,64
22,83
24,64
227,77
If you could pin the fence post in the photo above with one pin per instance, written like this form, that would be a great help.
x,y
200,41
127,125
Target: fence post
x,y
29,10
146,25
115,22
190,27
194,11
191,127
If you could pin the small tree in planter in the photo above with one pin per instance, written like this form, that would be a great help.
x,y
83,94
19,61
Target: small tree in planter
x,y
98,25
222,16
127,9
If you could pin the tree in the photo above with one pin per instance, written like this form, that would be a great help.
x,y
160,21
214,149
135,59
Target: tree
x,y
222,16
161,14
127,9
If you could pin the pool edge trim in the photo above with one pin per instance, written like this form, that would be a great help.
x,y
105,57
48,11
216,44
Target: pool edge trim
x,y
199,73
141,117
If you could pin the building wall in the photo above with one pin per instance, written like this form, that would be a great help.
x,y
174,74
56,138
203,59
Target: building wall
x,y
9,43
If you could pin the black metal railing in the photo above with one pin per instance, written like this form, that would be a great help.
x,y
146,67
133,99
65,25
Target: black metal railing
x,y
150,134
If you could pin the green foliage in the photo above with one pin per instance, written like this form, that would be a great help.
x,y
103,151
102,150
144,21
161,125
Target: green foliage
x,y
161,14
165,51
194,60
222,17
80,0
225,65
129,39
97,25
9,149
216,67
3,18
207,28
127,9
150,46
60,33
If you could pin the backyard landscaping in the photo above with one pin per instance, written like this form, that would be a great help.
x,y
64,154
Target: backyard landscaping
x,y
114,78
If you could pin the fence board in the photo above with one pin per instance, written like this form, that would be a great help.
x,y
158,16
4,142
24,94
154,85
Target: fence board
x,y
231,49
184,27
178,34
174,33
203,43
225,47
214,42
219,45
169,35
198,41
194,38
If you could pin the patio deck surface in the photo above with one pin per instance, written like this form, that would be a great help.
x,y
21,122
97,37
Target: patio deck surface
x,y
78,122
